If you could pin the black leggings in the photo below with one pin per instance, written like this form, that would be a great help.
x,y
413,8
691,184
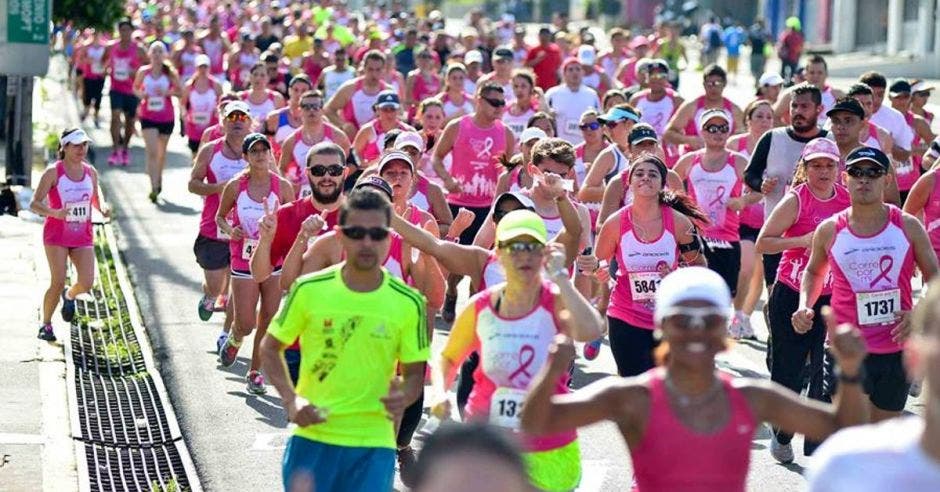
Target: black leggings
x,y
410,421
632,347
789,350
727,263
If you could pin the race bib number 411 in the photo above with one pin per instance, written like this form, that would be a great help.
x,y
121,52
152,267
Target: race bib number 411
x,y
877,308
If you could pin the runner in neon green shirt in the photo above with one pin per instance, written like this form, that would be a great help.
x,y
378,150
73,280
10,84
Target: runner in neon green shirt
x,y
356,322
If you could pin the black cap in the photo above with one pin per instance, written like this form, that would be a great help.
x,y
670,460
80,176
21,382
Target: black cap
x,y
642,132
899,86
502,52
252,139
868,154
376,183
847,105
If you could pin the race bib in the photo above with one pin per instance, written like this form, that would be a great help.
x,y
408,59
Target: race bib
x,y
156,104
506,407
78,211
573,127
516,129
248,247
877,308
122,69
96,67
201,119
221,235
717,244
643,285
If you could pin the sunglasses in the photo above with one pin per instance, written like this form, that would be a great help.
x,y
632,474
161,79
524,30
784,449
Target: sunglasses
x,y
522,247
590,126
496,103
238,117
689,318
319,171
357,233
715,83
922,93
657,76
311,106
865,172
717,128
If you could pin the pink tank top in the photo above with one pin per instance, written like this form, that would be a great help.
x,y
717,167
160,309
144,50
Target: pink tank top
x,y
638,274
359,108
419,196
94,68
247,213
220,170
201,113
672,457
214,50
871,278
77,198
424,88
124,65
753,214
812,212
932,214
372,149
214,132
393,262
259,111
154,106
188,61
712,190
476,164
512,351
909,171
872,140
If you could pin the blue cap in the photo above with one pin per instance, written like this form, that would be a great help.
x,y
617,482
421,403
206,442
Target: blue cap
x,y
618,114
387,99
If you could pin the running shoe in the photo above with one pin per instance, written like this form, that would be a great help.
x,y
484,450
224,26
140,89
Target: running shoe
x,y
406,465
747,331
153,196
205,308
783,453
256,383
592,349
219,342
448,313
221,303
229,352
734,329
914,390
115,158
68,307
46,333
125,157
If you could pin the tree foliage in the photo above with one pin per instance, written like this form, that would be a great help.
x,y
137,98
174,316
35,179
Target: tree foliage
x,y
99,14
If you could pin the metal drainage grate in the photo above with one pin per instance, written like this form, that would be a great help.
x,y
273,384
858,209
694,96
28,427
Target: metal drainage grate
x,y
140,469
103,348
120,410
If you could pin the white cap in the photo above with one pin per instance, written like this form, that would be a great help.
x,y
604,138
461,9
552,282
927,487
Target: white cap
x,y
770,78
587,55
77,137
713,113
203,59
234,106
395,155
532,132
921,86
409,139
472,56
693,283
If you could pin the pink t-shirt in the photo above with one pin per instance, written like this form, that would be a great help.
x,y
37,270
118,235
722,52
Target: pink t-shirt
x,y
476,164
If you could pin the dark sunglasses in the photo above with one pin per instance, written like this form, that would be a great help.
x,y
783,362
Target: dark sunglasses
x,y
319,171
922,93
522,247
866,172
312,106
357,233
590,126
234,117
496,103
717,128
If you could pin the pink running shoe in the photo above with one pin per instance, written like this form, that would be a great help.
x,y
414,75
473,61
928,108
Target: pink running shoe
x,y
115,157
125,157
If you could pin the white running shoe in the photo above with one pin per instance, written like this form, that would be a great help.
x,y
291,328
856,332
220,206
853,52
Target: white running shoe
x,y
783,453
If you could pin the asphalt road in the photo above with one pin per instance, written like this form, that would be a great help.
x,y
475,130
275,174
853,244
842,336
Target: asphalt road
x,y
237,439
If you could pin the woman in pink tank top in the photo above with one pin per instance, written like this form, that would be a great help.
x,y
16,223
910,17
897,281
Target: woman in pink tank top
x,y
156,85
647,238
815,195
65,195
512,325
369,140
422,82
689,427
199,102
245,199
924,202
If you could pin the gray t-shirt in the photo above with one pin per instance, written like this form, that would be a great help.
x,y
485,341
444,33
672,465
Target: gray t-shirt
x,y
775,156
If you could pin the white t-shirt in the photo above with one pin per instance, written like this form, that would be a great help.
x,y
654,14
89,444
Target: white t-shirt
x,y
893,121
875,458
568,106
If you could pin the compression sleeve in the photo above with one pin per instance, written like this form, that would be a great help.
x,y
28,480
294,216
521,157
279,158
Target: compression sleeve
x,y
754,172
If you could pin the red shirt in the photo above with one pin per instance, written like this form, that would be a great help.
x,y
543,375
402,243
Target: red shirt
x,y
290,217
546,71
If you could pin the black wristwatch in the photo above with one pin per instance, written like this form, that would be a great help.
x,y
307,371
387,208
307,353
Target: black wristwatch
x,y
846,379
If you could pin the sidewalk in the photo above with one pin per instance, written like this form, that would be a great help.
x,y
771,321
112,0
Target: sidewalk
x,y
36,448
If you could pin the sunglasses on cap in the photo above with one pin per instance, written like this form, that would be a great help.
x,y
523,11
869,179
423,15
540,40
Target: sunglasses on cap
x,y
311,106
320,170
594,125
357,233
522,247
691,318
496,103
714,129
238,117
865,172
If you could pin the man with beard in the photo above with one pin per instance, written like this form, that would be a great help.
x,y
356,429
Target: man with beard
x,y
777,152
357,323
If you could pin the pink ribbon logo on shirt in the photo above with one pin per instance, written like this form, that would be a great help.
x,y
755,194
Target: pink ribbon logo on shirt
x,y
526,357
487,148
719,194
884,264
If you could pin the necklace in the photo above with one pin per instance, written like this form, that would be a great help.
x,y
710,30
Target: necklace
x,y
692,401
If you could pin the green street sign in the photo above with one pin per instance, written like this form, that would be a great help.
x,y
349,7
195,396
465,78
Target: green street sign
x,y
28,21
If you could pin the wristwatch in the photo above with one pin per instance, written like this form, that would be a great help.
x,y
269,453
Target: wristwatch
x,y
857,378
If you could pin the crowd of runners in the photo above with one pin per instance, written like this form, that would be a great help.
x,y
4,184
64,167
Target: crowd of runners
x,y
355,166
